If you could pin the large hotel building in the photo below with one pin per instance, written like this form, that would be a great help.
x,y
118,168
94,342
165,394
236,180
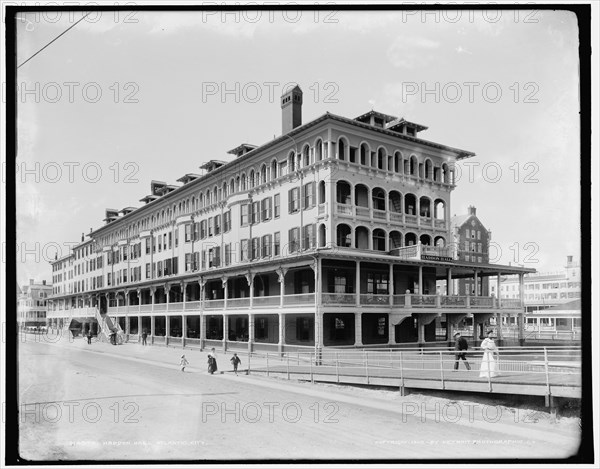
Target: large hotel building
x,y
333,234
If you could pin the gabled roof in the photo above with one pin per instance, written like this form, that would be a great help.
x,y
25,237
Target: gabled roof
x,y
366,117
188,177
403,122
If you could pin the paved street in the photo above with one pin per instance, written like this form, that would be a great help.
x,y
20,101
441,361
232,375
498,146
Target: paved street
x,y
106,402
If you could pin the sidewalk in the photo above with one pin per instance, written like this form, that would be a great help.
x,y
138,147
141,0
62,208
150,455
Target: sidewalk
x,y
153,353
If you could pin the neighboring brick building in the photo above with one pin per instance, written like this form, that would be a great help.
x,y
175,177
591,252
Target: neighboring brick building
x,y
471,240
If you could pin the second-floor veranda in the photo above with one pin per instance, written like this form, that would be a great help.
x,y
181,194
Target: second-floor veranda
x,y
326,279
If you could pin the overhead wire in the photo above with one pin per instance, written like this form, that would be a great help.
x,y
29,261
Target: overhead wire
x,y
61,34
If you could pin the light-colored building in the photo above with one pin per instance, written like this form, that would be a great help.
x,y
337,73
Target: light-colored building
x,y
32,304
545,290
334,233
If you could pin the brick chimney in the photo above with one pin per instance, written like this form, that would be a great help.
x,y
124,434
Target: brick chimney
x,y
291,110
472,210
30,281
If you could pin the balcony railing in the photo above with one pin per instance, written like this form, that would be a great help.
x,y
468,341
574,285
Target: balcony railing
x,y
328,299
301,299
397,217
344,209
214,304
410,219
371,299
380,214
453,301
238,303
363,212
338,298
423,300
266,301
192,306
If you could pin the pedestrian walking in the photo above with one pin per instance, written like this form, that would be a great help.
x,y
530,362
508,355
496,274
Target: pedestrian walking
x,y
212,361
144,337
460,347
183,363
235,360
89,336
488,364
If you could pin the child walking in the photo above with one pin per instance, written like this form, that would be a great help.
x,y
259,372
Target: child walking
x,y
183,362
235,360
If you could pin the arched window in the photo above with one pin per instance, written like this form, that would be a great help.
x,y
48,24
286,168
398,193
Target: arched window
x,y
319,150
379,240
274,174
263,174
306,156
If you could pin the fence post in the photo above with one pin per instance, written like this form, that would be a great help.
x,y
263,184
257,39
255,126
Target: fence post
x,y
488,354
311,370
288,366
267,363
249,355
401,375
337,369
367,365
548,395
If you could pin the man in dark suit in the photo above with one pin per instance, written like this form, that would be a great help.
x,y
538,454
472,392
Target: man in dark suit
x,y
460,347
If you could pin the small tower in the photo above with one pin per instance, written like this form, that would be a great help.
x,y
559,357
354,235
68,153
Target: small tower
x,y
291,110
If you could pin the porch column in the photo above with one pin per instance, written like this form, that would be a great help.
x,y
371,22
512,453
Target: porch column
x,y
202,284
420,331
183,330
476,280
250,280
520,330
391,288
498,284
152,291
167,329
140,329
357,283
449,285
450,326
522,289
152,328
250,331
420,292
225,331
281,277
499,327
316,267
358,329
183,287
281,340
391,331
167,289
225,283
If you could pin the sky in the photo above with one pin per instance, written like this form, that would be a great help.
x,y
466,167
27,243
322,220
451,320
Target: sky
x,y
122,99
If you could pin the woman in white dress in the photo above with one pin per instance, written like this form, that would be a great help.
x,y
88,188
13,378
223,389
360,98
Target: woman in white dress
x,y
488,364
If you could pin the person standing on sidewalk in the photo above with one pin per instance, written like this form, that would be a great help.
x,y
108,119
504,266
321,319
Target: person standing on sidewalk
x,y
144,337
235,360
460,348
